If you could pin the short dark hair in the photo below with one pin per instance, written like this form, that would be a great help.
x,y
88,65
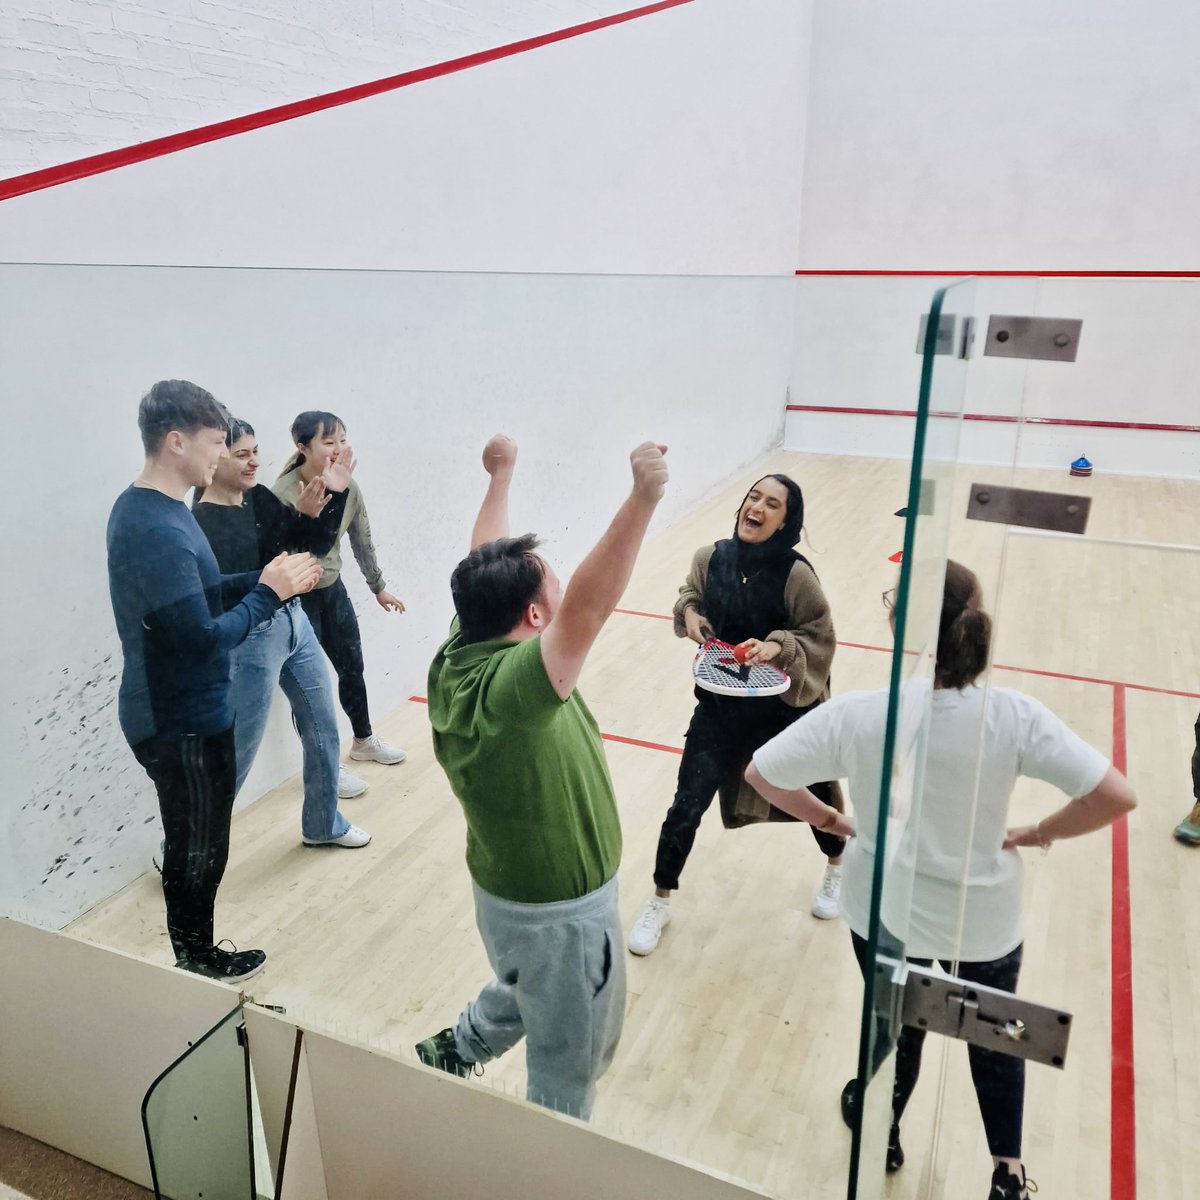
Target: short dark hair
x,y
494,584
965,631
237,430
177,404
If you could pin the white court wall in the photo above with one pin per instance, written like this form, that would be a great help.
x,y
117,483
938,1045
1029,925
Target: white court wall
x,y
423,368
79,77
855,347
671,143
1037,135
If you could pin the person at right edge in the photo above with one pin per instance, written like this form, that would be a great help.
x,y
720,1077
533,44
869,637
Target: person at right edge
x,y
525,759
965,907
1188,830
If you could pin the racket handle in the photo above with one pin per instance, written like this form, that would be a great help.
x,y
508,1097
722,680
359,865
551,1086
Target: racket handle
x,y
706,632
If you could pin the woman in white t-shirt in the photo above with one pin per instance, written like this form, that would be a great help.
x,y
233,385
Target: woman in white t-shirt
x,y
962,857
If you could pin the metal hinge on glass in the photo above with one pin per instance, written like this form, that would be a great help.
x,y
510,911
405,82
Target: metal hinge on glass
x,y
983,1016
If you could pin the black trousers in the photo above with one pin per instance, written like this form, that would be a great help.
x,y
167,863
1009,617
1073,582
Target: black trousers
x,y
999,1079
333,620
1196,763
195,778
720,741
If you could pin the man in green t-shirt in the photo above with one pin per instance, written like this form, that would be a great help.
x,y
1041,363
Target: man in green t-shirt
x,y
523,755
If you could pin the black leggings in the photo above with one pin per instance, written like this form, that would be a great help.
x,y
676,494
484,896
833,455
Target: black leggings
x,y
720,741
999,1079
333,620
194,777
1196,763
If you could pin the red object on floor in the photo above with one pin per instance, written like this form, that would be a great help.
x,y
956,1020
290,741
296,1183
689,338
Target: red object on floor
x,y
897,557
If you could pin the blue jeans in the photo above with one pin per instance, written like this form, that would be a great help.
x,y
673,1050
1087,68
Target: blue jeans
x,y
285,650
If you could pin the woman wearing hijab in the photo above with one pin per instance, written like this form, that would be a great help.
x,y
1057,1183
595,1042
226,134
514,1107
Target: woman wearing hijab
x,y
753,590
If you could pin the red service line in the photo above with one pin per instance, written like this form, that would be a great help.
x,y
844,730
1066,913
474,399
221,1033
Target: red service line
x,y
1005,274
1113,683
995,417
96,164
608,737
613,737
1123,1149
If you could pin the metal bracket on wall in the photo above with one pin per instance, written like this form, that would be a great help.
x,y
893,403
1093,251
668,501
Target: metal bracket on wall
x,y
1024,506
1054,339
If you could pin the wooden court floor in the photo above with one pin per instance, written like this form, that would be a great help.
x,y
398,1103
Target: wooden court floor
x,y
743,1026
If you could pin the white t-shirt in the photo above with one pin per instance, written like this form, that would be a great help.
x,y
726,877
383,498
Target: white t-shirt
x,y
951,863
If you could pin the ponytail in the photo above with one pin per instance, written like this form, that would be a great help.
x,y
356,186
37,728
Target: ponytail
x,y
308,425
965,631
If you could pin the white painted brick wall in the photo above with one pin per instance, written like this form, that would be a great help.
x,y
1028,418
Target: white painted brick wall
x,y
78,77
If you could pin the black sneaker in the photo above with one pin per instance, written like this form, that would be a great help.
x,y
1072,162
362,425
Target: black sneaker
x,y
1007,1186
850,1102
441,1051
895,1152
226,966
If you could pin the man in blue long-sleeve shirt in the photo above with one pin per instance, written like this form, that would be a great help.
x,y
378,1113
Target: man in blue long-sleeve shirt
x,y
178,618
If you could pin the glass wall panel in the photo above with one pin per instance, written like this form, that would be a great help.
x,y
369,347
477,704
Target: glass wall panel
x,y
887,834
196,1115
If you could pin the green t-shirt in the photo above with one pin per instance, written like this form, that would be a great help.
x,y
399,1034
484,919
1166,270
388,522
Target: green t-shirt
x,y
529,769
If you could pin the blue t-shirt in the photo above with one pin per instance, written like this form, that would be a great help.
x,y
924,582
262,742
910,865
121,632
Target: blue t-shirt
x,y
169,598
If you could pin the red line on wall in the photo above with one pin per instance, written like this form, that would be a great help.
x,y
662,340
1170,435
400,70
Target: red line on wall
x,y
96,164
1008,420
1123,1150
632,612
1009,274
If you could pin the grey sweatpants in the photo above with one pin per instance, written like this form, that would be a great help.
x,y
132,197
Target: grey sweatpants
x,y
560,984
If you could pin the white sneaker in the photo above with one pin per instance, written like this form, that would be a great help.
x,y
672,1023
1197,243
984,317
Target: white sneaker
x,y
352,839
349,784
827,903
647,929
372,749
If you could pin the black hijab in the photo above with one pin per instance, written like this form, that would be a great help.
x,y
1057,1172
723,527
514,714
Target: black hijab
x,y
744,592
